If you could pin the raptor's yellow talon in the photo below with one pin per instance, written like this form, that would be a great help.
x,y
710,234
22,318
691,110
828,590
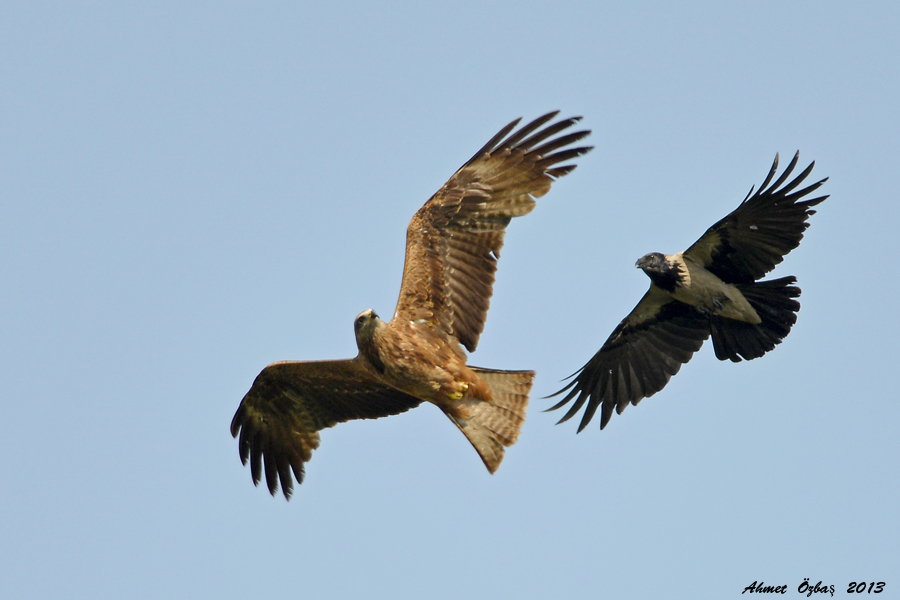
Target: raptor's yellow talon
x,y
458,395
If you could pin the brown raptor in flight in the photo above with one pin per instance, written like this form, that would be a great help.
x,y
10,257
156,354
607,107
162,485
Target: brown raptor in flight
x,y
452,246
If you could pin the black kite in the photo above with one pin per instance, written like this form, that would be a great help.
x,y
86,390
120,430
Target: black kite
x,y
452,246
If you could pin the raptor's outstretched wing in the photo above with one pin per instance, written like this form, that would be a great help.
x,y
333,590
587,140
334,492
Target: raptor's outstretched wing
x,y
453,242
290,402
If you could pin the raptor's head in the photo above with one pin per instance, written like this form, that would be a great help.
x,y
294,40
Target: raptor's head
x,y
365,324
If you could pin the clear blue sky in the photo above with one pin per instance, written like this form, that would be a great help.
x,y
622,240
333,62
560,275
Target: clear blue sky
x,y
190,191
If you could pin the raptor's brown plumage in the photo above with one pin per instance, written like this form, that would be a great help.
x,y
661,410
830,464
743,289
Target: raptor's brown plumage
x,y
452,246
710,288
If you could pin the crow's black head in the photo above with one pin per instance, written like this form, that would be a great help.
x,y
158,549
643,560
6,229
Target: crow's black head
x,y
660,270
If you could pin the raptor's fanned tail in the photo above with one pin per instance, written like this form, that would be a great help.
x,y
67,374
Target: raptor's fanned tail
x,y
494,425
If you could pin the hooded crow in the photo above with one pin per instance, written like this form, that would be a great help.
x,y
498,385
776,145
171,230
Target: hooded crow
x,y
709,289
